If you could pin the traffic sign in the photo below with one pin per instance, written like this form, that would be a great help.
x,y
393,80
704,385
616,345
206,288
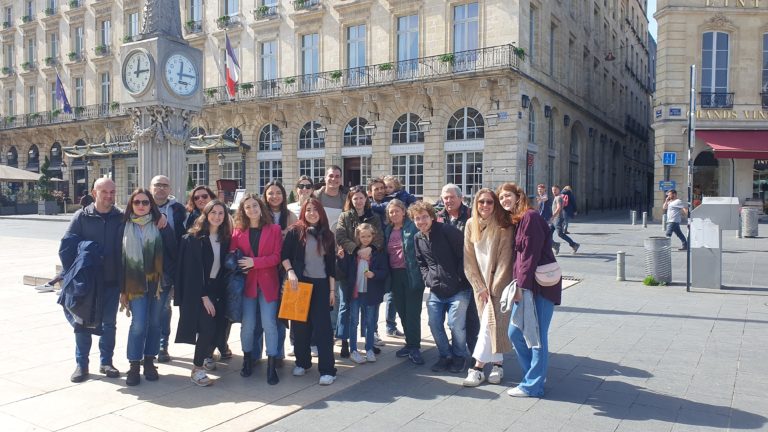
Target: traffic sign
x,y
665,185
669,158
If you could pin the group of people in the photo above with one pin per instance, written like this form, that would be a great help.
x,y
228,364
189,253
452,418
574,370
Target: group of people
x,y
558,213
357,248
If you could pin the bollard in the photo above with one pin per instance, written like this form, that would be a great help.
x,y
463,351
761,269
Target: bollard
x,y
749,222
645,219
620,274
658,258
633,216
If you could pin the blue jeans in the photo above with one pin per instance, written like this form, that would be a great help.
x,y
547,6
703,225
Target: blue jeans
x,y
110,300
456,308
144,334
533,361
342,316
165,320
356,307
259,309
560,226
391,313
674,227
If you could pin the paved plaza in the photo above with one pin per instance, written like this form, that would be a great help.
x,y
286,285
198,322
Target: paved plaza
x,y
625,357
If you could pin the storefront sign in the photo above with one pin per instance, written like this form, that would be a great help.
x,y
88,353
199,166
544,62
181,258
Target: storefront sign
x,y
675,112
736,3
731,114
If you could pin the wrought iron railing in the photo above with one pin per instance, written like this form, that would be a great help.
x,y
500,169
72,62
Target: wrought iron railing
x,y
305,4
88,112
264,12
764,99
716,100
194,26
424,68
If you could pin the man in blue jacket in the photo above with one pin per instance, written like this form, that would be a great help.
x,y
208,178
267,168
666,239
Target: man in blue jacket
x,y
101,222
440,253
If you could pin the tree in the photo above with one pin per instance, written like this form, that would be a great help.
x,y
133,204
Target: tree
x,y
45,185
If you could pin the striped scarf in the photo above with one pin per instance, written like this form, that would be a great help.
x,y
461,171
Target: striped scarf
x,y
142,257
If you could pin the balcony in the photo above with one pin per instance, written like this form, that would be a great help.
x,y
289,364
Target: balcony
x,y
102,50
51,61
421,69
716,100
7,71
76,56
57,116
29,66
265,12
7,25
50,11
228,21
764,99
74,4
305,4
193,27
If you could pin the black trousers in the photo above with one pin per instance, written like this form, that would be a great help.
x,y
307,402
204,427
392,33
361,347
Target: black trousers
x,y
317,329
472,325
211,330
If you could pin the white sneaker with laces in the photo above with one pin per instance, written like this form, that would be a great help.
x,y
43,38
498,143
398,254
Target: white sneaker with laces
x,y
209,364
299,371
200,378
517,392
377,340
313,350
474,378
496,375
356,357
327,380
370,356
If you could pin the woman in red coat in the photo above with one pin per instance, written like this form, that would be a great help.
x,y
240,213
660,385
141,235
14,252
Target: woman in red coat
x,y
260,241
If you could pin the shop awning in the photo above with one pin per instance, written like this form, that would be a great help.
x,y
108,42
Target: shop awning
x,y
732,144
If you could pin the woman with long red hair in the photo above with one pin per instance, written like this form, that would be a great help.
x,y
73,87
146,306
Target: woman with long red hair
x,y
533,247
309,255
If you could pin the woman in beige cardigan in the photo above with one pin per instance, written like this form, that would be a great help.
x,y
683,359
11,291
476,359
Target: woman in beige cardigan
x,y
488,263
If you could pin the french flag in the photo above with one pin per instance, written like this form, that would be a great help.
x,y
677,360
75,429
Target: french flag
x,y
231,69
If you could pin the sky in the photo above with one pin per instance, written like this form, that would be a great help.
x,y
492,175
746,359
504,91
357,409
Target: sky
x,y
651,21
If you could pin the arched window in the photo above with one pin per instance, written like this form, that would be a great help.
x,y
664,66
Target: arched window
x,y
466,124
12,157
270,138
354,133
714,70
33,162
531,124
56,155
406,130
309,138
233,135
573,163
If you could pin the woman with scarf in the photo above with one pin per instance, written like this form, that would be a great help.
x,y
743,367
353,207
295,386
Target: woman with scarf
x,y
357,210
200,286
488,263
533,247
148,254
309,256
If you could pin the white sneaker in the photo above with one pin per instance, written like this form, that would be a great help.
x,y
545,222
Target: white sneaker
x,y
496,375
200,378
356,357
377,340
327,379
209,364
517,392
299,371
474,378
45,288
313,350
291,351
370,356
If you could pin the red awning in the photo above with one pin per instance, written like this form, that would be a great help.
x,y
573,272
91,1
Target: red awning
x,y
732,144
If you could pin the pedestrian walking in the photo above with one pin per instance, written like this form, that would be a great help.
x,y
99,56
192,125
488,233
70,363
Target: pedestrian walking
x,y
532,249
558,221
148,258
569,205
200,287
675,208
488,263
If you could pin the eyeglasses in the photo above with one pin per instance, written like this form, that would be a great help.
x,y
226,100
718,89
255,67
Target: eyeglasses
x,y
161,185
200,197
485,202
304,186
141,202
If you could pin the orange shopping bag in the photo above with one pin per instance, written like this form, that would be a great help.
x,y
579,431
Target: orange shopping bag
x,y
295,304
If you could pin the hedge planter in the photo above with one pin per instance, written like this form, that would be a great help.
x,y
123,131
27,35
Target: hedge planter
x,y
47,207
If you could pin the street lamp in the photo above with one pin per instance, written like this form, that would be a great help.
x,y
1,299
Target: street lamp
x,y
221,158
321,132
492,119
370,129
424,125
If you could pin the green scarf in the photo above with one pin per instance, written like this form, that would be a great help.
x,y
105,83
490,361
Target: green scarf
x,y
142,257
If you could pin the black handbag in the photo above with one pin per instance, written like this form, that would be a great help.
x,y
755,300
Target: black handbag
x,y
235,287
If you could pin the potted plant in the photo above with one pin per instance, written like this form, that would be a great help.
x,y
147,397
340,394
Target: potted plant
x,y
336,75
101,49
262,11
446,58
46,203
55,113
114,106
79,110
385,67
223,21
246,86
26,65
519,52
190,25
49,11
210,92
127,39
72,56
74,4
26,18
6,25
6,70
290,80
10,119
298,4
50,61
34,116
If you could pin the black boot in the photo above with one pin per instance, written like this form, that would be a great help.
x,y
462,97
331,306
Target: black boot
x,y
247,369
344,349
272,378
150,370
134,374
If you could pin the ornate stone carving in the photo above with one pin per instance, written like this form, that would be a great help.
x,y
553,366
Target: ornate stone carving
x,y
161,17
719,21
165,124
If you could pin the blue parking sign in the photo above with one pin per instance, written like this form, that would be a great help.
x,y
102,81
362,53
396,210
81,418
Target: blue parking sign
x,y
669,158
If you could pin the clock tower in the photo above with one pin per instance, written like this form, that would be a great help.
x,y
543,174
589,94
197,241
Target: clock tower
x,y
162,79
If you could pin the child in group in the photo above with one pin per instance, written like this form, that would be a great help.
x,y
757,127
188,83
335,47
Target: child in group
x,y
364,289
395,190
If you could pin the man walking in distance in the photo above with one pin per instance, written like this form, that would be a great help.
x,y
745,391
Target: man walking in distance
x,y
175,213
558,219
545,210
675,207
101,223
456,214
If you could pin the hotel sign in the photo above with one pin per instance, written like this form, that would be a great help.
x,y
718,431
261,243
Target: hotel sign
x,y
715,114
736,3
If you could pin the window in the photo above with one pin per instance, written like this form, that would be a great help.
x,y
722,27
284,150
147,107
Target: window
x,y
77,40
765,69
105,33
132,180
29,8
196,10
8,56
197,173
308,137
312,168
106,88
270,138
532,29
407,45
79,92
54,103
531,124
268,171
551,170
269,60
406,130
10,107
8,14
232,170
465,170
410,170
466,123
53,45
714,71
551,131
133,24
530,173
231,7
310,60
354,133
356,54
573,165
31,99
31,50
465,36
552,48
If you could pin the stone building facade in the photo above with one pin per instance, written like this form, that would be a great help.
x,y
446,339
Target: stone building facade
x,y
728,43
470,92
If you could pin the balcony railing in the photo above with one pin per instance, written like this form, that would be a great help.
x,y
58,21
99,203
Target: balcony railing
x,y
305,4
265,12
425,68
74,4
88,112
193,26
764,99
716,100
227,21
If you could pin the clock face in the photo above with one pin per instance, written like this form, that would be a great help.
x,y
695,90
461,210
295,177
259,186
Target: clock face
x,y
138,71
180,75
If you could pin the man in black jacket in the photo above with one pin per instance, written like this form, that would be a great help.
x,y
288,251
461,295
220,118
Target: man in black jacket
x,y
440,253
101,222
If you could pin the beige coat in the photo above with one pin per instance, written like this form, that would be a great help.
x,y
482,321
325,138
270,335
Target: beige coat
x,y
500,266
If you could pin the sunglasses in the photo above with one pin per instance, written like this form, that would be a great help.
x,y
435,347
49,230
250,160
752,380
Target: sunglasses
x,y
200,197
141,202
304,186
485,202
